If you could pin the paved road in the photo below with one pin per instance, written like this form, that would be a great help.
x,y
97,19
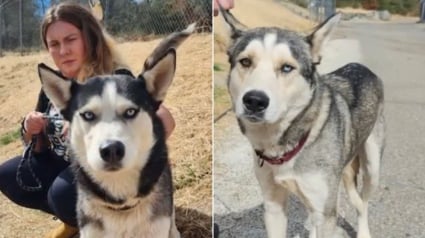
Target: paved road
x,y
395,52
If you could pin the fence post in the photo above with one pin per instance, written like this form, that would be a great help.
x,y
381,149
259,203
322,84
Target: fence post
x,y
20,27
329,8
422,11
105,18
1,30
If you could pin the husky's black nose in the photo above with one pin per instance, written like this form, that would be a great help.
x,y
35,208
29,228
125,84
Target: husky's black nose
x,y
255,101
112,151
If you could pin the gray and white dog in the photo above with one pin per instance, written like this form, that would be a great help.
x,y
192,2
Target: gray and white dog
x,y
309,131
118,144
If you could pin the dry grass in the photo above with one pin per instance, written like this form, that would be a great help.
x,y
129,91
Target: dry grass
x,y
254,13
352,10
189,100
394,17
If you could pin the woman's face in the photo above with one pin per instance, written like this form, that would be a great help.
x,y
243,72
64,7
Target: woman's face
x,y
66,46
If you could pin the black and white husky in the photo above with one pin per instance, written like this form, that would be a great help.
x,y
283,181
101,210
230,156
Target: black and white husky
x,y
309,132
118,143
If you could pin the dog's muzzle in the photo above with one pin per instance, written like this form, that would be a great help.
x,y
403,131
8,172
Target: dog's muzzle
x,y
112,152
255,104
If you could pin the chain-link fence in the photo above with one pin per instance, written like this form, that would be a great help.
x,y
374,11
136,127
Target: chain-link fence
x,y
19,25
321,9
168,16
157,17
20,19
318,10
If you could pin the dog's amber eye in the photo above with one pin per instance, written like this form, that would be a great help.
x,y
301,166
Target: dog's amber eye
x,y
130,113
286,68
245,62
88,116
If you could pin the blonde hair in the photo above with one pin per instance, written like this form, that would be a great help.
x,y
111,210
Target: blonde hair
x,y
101,56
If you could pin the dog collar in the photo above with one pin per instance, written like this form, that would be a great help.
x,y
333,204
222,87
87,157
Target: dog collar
x,y
284,158
123,208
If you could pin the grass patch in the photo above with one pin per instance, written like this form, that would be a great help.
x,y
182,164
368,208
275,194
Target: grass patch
x,y
217,67
10,137
192,176
220,95
221,100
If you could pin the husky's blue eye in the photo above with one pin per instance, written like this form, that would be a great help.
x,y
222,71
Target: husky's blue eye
x,y
286,68
245,62
130,113
88,116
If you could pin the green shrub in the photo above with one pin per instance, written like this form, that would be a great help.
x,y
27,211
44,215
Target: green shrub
x,y
10,137
217,67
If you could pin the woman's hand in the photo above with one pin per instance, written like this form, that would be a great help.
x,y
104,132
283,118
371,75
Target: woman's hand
x,y
167,120
34,123
225,4
65,128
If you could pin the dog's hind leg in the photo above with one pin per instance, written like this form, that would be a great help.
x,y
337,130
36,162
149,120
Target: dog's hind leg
x,y
350,183
360,203
370,164
369,160
275,203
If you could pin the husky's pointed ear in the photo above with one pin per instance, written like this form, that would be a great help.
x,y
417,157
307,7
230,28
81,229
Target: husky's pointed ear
x,y
56,87
96,9
234,27
320,35
159,74
158,70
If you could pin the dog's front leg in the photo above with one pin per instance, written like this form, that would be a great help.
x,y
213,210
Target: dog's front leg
x,y
320,195
275,200
163,227
91,231
174,233
326,227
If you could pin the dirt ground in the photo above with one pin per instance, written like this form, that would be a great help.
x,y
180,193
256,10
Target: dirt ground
x,y
189,100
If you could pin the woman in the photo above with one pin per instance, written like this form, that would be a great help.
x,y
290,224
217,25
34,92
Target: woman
x,y
80,49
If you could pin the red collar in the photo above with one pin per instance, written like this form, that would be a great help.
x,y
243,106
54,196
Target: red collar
x,y
285,157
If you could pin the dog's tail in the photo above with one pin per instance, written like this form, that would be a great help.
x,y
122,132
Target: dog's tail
x,y
114,60
96,9
170,42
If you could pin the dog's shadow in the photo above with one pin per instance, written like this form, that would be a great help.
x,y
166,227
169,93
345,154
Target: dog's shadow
x,y
192,223
249,223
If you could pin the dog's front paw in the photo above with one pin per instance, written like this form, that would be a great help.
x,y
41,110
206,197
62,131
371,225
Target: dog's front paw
x,y
363,235
340,233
